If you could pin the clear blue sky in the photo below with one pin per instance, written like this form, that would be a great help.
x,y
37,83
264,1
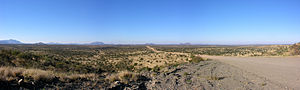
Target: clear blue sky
x,y
151,21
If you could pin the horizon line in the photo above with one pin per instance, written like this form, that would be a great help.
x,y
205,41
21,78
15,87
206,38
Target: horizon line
x,y
151,43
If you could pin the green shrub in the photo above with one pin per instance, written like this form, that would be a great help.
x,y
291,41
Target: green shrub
x,y
123,65
174,65
196,59
156,69
185,73
27,56
144,69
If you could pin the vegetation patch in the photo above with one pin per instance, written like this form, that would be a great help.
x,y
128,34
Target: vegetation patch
x,y
36,78
124,77
266,50
196,59
295,49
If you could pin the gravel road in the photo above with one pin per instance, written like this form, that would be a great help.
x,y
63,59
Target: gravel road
x,y
284,71
208,75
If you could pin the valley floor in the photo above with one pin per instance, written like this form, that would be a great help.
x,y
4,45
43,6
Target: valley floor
x,y
158,70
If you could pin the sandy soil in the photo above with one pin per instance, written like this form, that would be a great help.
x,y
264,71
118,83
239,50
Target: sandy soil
x,y
284,71
208,75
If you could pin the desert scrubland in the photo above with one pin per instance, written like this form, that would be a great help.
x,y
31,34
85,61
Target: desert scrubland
x,y
149,67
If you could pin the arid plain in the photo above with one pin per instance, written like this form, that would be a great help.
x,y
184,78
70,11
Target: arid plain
x,y
149,67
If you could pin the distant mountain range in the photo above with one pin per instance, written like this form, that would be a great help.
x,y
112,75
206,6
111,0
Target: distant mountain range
x,y
12,41
96,43
92,43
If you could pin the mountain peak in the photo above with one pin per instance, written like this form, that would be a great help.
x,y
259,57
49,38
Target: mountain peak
x,y
40,43
10,41
97,43
185,43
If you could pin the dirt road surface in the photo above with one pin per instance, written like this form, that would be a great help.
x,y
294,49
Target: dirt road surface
x,y
153,49
285,71
208,75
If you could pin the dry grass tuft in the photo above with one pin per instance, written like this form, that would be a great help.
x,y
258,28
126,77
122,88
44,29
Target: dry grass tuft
x,y
38,75
13,73
8,74
124,77
77,77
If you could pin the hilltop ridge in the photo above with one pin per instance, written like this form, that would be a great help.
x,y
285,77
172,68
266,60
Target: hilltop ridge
x,y
10,41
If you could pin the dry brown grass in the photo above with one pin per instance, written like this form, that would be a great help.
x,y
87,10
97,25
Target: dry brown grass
x,y
123,76
13,73
158,59
38,75
9,74
77,77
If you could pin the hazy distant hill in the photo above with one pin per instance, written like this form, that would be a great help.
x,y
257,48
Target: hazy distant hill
x,y
40,43
93,43
10,41
54,43
185,44
96,43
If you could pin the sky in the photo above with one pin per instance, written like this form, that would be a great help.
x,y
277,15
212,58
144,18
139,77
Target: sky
x,y
151,21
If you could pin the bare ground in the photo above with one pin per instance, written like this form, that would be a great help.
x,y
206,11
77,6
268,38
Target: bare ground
x,y
208,75
218,74
282,71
